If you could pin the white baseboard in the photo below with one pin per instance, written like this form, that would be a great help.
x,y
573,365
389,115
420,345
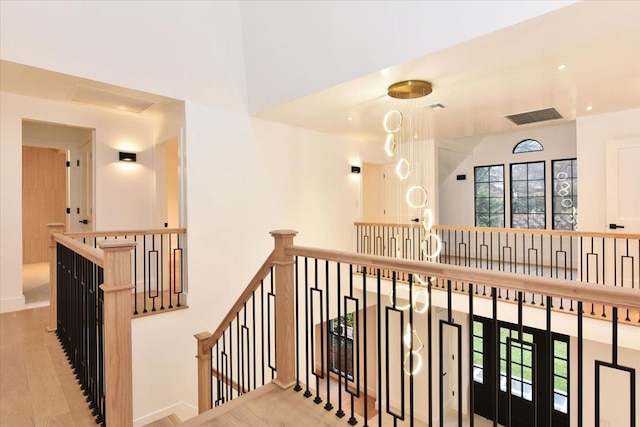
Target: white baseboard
x,y
12,304
183,410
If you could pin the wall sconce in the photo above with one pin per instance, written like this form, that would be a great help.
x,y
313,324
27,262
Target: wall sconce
x,y
355,169
127,157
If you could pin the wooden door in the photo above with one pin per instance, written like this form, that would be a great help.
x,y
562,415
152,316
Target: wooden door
x,y
44,185
85,216
372,192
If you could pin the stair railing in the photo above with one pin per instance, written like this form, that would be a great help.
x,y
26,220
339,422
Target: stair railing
x,y
369,335
91,315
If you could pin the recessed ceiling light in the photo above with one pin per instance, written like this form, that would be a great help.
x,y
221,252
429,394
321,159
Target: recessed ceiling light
x,y
589,108
415,136
561,67
349,118
437,106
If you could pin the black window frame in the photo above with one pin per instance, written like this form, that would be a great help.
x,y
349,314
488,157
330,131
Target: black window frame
x,y
528,196
566,216
528,150
489,214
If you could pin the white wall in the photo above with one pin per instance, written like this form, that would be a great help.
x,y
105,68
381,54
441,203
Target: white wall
x,y
245,177
455,204
593,133
457,201
124,193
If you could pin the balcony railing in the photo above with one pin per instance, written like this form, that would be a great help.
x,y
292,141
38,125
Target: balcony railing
x,y
158,265
601,258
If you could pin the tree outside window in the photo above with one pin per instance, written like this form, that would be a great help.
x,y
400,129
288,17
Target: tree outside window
x,y
489,196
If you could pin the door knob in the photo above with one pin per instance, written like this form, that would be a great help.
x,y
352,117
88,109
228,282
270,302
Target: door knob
x,y
614,226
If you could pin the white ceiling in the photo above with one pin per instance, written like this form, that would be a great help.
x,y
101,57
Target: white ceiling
x,y
38,83
479,81
508,71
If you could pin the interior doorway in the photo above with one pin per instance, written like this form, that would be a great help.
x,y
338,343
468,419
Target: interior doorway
x,y
57,187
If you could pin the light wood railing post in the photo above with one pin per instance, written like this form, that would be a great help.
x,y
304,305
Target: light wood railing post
x,y
284,312
54,227
205,377
117,332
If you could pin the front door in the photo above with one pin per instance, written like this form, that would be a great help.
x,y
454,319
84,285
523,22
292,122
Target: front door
x,y
525,364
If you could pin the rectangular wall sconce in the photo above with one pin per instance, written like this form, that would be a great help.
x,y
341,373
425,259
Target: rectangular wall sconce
x,y
355,169
127,157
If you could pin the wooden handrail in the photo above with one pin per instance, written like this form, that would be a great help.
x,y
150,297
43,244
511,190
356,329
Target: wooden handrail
x,y
581,291
113,233
226,379
94,255
244,296
508,230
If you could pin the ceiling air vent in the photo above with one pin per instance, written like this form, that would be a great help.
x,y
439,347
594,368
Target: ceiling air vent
x,y
534,116
104,98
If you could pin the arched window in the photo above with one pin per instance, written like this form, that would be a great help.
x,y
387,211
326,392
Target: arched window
x,y
527,146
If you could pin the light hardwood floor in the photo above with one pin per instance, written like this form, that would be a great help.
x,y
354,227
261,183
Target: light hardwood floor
x,y
37,386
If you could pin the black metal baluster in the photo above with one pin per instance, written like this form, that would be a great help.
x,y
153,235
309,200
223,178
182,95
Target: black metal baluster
x,y
144,273
355,345
308,330
430,350
411,329
550,367
307,392
379,346
580,361
270,296
496,361
262,323
101,405
239,382
604,277
170,261
255,328
314,341
471,348
179,250
297,317
217,376
328,406
364,346
339,412
135,276
228,366
159,263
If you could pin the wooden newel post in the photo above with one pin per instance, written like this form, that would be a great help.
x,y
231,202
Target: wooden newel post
x,y
117,332
285,300
204,372
54,228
